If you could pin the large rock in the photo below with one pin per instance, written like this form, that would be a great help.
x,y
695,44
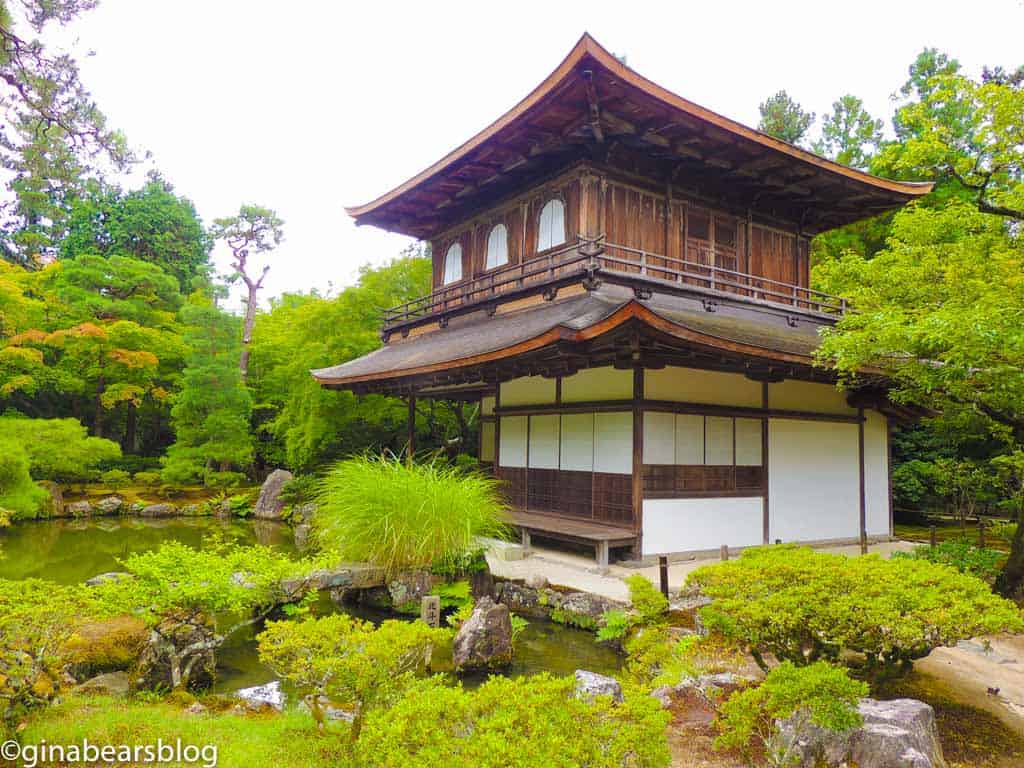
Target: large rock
x,y
103,578
107,684
895,734
109,505
259,697
353,576
159,510
408,589
590,685
179,654
581,609
269,505
484,641
110,645
78,509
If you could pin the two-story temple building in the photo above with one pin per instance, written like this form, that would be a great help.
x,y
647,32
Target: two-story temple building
x,y
621,278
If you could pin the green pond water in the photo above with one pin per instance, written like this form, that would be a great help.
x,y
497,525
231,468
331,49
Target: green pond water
x,y
71,551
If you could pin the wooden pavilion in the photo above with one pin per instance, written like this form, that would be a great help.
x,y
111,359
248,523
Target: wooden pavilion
x,y
621,278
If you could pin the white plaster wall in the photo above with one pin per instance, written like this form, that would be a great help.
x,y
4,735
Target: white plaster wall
x,y
486,441
512,448
680,525
528,390
792,395
613,442
691,385
487,406
876,473
577,443
813,480
544,441
598,384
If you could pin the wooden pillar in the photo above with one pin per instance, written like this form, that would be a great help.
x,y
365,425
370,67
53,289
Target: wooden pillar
x,y
638,457
411,450
863,495
765,512
497,428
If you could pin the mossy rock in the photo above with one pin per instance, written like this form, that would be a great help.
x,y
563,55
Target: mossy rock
x,y
105,646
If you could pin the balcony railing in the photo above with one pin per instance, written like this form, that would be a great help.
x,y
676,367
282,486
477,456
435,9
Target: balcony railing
x,y
710,273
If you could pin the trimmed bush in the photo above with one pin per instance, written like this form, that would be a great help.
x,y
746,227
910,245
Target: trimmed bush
x,y
59,449
822,693
514,723
115,478
803,606
383,511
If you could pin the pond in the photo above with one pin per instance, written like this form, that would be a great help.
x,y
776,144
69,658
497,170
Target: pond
x,y
71,551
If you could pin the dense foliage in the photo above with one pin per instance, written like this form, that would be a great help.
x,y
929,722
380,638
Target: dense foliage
x,y
818,694
514,723
349,661
404,515
804,606
961,554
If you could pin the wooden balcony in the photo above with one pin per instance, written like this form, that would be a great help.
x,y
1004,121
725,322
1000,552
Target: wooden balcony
x,y
711,270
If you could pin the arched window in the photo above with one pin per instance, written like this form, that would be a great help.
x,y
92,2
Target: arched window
x,y
497,246
551,228
453,264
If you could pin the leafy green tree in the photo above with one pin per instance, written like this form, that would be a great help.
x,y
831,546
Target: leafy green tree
x,y
150,224
349,661
54,136
255,230
967,131
849,135
211,413
304,425
784,118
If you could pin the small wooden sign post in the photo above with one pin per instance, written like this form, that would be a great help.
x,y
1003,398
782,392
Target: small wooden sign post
x,y
430,611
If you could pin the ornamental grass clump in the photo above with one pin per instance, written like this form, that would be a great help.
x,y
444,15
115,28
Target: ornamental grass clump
x,y
380,510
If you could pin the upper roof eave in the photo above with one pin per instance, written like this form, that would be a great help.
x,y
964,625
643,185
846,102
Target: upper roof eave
x,y
589,47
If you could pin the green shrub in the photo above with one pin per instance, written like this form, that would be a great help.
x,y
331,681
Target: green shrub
x,y
514,723
823,694
615,625
647,600
18,494
803,606
5,517
115,478
961,554
301,489
383,511
224,479
352,662
147,478
59,449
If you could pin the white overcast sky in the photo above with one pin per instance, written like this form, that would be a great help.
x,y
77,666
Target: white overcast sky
x,y
310,106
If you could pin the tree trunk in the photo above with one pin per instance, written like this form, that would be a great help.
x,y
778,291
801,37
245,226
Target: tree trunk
x,y
250,321
97,421
128,446
1011,581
